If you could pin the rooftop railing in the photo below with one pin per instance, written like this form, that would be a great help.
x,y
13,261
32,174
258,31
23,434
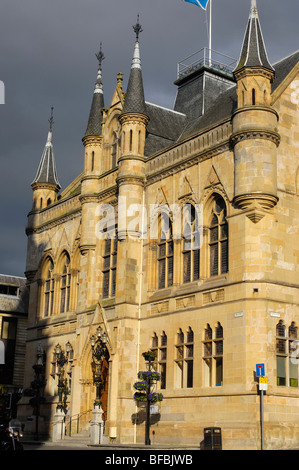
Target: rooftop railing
x,y
209,58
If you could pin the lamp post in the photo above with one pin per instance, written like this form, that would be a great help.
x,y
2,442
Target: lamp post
x,y
38,385
99,352
144,390
148,402
61,358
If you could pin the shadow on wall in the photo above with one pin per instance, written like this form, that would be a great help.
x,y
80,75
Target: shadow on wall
x,y
140,417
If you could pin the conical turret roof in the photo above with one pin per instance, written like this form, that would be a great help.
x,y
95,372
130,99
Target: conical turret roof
x,y
253,52
134,99
46,173
94,126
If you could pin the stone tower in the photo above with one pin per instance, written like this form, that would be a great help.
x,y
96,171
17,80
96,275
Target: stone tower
x,y
93,144
131,173
255,136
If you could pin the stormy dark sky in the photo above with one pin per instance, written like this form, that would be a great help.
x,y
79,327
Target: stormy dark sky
x,y
47,57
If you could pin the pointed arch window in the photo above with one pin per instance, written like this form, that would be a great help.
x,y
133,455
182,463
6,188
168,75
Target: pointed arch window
x,y
160,349
165,252
191,252
213,356
184,359
49,288
65,287
218,239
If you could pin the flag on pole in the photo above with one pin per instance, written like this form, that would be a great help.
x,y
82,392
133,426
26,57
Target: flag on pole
x,y
200,3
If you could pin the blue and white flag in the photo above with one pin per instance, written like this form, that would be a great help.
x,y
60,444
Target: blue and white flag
x,y
200,3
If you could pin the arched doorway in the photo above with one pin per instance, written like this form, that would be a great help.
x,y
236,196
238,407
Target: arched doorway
x,y
104,389
88,387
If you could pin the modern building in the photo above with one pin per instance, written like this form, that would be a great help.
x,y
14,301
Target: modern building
x,y
13,329
114,250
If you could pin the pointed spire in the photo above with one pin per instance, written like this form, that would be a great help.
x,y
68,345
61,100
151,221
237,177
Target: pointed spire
x,y
94,126
134,100
253,52
46,173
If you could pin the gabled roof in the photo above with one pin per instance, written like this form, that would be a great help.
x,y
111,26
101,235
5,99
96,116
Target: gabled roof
x,y
283,67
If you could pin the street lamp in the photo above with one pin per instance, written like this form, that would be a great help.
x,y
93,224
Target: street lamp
x,y
38,384
62,358
99,351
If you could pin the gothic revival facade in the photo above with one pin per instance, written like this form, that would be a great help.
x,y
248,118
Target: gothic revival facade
x,y
113,250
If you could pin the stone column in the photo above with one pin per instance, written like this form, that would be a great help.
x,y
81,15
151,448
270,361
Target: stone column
x,y
58,425
97,425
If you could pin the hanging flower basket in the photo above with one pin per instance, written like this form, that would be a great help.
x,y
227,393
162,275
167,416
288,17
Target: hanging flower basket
x,y
148,375
138,396
154,397
141,385
149,356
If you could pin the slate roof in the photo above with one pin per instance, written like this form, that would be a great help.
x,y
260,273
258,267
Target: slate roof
x,y
46,172
253,52
163,129
94,126
167,127
283,67
134,99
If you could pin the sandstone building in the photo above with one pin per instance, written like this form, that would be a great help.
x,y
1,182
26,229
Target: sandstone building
x,y
211,310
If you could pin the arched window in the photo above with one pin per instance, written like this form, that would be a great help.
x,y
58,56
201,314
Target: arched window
x,y
165,252
218,239
191,252
213,356
131,140
65,286
49,288
160,349
184,359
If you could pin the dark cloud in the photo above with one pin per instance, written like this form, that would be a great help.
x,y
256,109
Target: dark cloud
x,y
47,57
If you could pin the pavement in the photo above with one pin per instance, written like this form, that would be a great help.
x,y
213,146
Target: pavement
x,y
75,443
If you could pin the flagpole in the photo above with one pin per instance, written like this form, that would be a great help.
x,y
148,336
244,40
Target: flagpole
x,y
210,35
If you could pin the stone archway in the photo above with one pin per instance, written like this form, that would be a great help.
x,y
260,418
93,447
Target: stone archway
x,y
88,390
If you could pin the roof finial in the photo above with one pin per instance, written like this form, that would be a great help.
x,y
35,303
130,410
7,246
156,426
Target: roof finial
x,y
100,56
137,28
253,9
51,120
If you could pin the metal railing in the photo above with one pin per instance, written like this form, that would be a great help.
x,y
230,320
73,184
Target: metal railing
x,y
72,423
208,58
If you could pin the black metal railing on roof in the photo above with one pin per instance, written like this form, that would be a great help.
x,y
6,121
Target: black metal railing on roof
x,y
208,58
